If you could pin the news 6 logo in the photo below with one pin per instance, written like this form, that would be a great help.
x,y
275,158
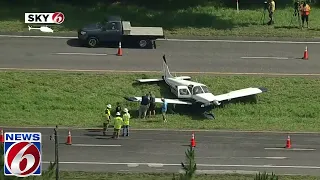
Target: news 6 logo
x,y
44,18
22,154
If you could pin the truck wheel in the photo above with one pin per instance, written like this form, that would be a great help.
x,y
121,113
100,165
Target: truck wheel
x,y
144,43
92,42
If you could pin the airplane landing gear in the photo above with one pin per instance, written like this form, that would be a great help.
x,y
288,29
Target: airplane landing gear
x,y
209,115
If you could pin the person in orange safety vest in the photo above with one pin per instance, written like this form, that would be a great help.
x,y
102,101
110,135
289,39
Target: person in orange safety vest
x,y
305,11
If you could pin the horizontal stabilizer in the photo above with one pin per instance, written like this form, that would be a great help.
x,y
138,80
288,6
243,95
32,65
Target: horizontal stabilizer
x,y
158,100
240,93
149,80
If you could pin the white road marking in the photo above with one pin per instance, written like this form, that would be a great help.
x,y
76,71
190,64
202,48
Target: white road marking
x,y
241,157
155,165
270,158
85,54
241,41
156,129
261,57
49,37
222,172
133,165
182,72
292,149
179,40
96,145
199,165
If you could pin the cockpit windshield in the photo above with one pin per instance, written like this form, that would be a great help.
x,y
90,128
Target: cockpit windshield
x,y
197,90
205,89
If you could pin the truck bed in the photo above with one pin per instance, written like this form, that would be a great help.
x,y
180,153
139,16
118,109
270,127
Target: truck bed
x,y
141,31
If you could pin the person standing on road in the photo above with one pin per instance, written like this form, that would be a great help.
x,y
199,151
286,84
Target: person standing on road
x,y
107,119
164,109
117,125
126,118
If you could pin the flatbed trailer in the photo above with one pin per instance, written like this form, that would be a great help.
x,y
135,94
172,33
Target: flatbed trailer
x,y
116,30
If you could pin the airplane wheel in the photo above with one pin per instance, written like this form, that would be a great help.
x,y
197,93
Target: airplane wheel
x,y
209,115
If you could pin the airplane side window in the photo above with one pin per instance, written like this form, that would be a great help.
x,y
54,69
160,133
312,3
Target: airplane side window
x,y
183,92
197,90
205,89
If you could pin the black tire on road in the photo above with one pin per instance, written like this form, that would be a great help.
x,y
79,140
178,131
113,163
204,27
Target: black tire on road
x,y
92,42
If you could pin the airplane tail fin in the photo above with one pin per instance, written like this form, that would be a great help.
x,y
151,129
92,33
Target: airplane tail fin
x,y
29,28
165,68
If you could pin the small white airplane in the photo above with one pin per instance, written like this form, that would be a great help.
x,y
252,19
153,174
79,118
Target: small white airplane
x,y
194,93
42,29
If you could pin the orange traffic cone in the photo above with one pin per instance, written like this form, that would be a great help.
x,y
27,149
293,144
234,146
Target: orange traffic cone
x,y
119,50
1,136
69,142
288,144
305,54
193,141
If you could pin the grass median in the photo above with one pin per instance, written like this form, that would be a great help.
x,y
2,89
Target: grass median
x,y
79,100
208,20
166,176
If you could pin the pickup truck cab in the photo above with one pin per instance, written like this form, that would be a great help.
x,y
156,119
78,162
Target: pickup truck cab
x,y
114,30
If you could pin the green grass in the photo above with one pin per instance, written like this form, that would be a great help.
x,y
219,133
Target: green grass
x,y
79,99
202,20
167,176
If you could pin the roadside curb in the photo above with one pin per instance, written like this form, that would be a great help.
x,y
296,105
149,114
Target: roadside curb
x,y
234,39
168,130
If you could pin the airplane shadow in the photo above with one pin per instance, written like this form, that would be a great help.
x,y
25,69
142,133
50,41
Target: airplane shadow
x,y
77,43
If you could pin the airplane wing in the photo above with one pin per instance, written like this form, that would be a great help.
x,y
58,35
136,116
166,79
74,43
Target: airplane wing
x,y
158,80
149,80
240,93
158,100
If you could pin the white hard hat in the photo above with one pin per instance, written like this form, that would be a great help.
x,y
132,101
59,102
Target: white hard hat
x,y
109,106
125,110
118,114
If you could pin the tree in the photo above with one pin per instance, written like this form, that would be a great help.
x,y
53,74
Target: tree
x,y
265,176
45,175
190,167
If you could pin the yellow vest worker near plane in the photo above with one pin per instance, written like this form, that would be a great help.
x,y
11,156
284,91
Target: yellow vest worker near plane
x,y
126,118
117,125
107,119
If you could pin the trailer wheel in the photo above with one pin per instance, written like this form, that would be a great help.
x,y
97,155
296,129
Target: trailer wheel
x,y
143,43
92,42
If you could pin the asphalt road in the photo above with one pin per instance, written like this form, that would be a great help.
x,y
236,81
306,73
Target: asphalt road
x,y
158,151
182,56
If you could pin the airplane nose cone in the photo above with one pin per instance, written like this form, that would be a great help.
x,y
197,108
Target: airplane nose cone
x,y
207,98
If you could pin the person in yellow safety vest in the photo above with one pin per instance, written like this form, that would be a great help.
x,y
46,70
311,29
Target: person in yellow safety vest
x,y
107,119
271,9
305,11
117,125
126,118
